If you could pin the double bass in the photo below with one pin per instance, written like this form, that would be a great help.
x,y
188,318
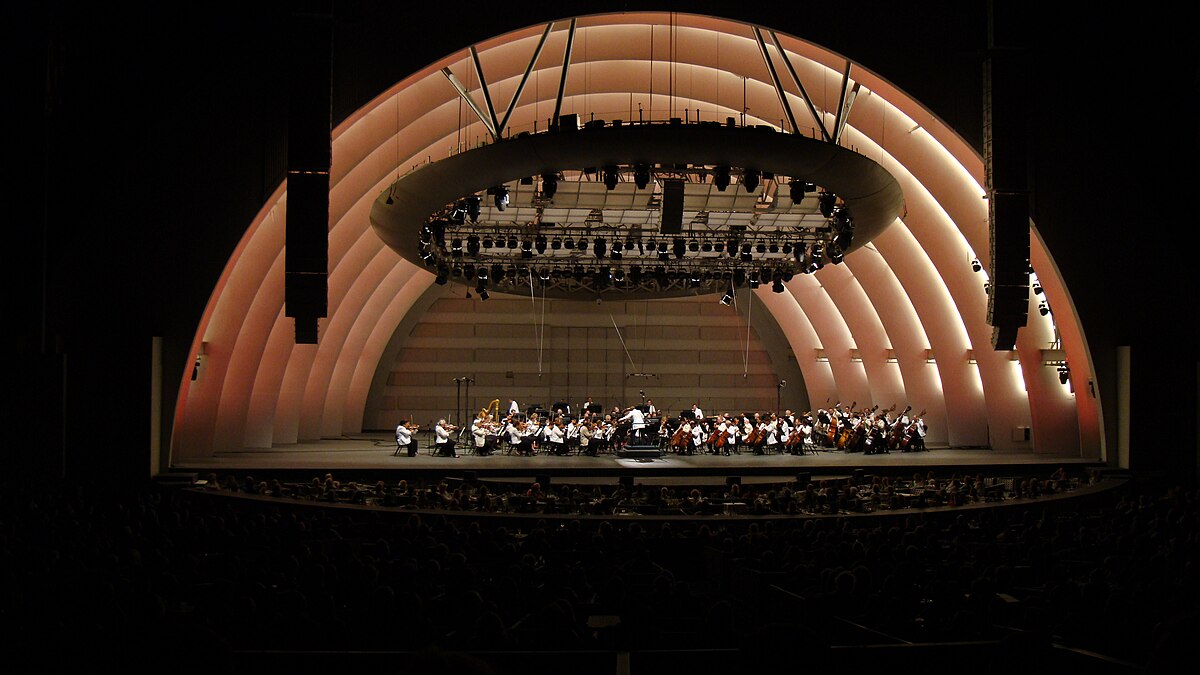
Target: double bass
x,y
681,437
910,431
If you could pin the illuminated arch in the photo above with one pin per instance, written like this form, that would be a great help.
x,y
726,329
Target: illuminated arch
x,y
903,318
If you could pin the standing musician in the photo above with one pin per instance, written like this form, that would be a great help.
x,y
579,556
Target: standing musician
x,y
404,439
697,413
441,435
513,408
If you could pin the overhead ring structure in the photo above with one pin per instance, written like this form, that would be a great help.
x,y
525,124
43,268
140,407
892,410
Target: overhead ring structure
x,y
903,319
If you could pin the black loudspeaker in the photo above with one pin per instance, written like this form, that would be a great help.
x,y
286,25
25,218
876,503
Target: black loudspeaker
x,y
803,479
733,480
672,207
543,479
626,482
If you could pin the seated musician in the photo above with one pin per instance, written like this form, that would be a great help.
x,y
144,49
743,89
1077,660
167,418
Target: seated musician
x,y
404,440
513,432
556,437
479,432
650,409
442,441
733,431
585,439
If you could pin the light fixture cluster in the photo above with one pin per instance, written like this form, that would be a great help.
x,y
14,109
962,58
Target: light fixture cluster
x,y
595,256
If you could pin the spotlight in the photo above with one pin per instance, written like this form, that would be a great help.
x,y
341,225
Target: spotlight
x,y
556,243
616,250
750,179
975,266
721,177
1043,309
501,197
826,201
761,248
641,176
707,247
456,246
611,176
619,274
1064,374
469,271
583,245
544,274
512,242
796,188
835,253
662,247
488,242
777,286
1037,288
473,244
718,247
598,247
635,274
483,273
726,299
695,280
549,185
472,204
483,294
540,244
774,247
442,276
497,273
569,243
693,246
678,248
738,277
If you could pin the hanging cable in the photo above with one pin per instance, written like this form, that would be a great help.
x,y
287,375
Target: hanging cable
x,y
614,323
537,328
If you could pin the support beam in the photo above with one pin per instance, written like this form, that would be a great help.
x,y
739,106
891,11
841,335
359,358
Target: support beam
x,y
845,113
842,110
524,78
562,82
799,85
487,96
783,102
466,96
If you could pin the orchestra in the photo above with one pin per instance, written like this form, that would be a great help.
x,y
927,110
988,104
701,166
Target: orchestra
x,y
845,428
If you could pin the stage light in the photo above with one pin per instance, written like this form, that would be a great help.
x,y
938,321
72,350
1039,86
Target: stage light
x,y
473,204
556,243
641,176
611,177
497,273
721,177
777,286
442,276
774,247
695,279
619,274
761,248
796,190
718,247
738,276
615,253
1037,288
750,179
456,246
469,271
707,247
549,185
488,242
635,274
599,247
583,245
975,266
540,244
568,243
1043,309
483,294
693,246
473,244
726,299
501,197
512,242
678,248
835,253
826,201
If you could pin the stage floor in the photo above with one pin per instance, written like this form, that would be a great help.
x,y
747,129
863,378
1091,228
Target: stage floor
x,y
374,453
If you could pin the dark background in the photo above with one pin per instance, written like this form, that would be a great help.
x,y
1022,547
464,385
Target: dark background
x,y
149,135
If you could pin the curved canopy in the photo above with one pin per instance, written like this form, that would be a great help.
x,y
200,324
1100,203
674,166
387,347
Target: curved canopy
x,y
902,320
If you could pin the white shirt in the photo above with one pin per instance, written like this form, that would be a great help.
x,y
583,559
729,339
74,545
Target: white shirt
x,y
479,433
442,435
698,412
698,434
514,434
772,431
513,408
651,409
638,419
554,434
403,435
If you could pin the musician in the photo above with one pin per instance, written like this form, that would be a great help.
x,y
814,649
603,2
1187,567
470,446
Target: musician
x,y
734,430
513,431
699,414
479,431
637,422
585,431
572,435
556,437
650,409
441,436
404,440
683,437
773,434
698,437
513,408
